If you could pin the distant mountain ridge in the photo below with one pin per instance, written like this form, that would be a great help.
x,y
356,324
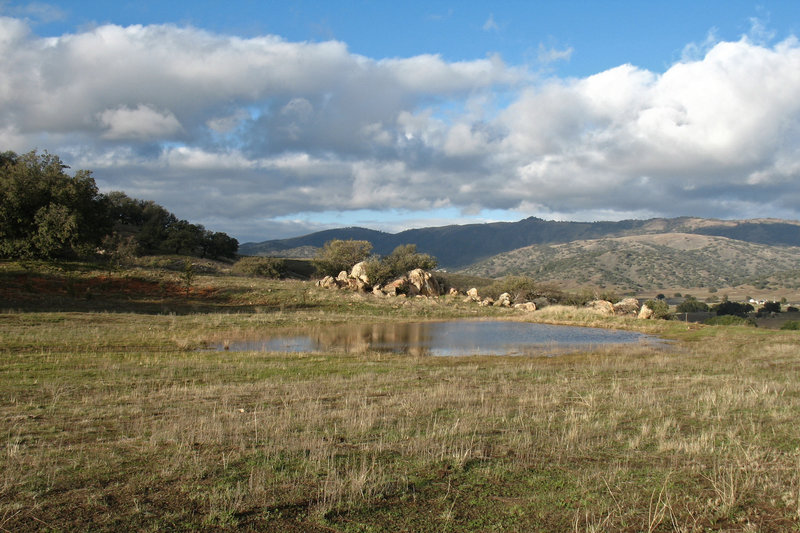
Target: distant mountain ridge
x,y
458,246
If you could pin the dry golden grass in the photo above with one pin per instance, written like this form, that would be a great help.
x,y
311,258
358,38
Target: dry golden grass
x,y
115,421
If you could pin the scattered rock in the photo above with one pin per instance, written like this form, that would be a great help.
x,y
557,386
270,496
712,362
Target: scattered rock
x,y
453,291
398,286
541,302
527,306
328,283
628,306
603,307
359,272
422,283
486,302
645,313
472,294
504,300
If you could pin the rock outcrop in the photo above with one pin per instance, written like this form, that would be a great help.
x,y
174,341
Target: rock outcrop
x,y
603,307
359,272
422,283
645,313
628,306
328,282
504,300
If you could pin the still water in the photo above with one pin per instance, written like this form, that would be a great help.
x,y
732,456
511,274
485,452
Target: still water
x,y
452,338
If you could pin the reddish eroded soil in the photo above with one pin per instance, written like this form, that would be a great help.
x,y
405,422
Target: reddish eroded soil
x,y
24,287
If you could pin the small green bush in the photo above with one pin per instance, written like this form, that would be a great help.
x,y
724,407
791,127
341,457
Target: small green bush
x,y
791,325
264,267
733,308
691,305
340,255
729,320
403,259
660,308
770,307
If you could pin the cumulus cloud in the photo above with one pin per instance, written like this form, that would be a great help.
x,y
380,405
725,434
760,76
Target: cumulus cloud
x,y
222,128
143,122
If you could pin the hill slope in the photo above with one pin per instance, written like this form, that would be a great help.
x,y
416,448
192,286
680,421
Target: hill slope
x,y
462,245
647,262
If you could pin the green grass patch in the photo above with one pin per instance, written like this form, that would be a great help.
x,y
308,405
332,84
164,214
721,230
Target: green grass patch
x,y
116,418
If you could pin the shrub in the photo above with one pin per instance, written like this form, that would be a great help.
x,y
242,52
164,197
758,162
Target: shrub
x,y
265,267
338,255
791,325
691,305
660,308
733,308
729,320
771,307
521,288
403,259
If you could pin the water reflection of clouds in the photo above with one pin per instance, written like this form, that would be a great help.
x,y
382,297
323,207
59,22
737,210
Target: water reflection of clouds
x,y
454,338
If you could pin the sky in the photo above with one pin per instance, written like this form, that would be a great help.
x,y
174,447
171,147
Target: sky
x,y
273,119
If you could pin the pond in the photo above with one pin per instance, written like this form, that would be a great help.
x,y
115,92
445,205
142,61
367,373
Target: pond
x,y
451,338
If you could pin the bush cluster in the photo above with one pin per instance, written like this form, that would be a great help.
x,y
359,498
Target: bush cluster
x,y
265,267
729,320
340,255
692,305
733,308
403,259
660,308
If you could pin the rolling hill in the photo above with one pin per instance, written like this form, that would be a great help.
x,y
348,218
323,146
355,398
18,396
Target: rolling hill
x,y
462,245
650,262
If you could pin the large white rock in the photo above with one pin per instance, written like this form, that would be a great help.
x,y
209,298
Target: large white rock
x,y
603,307
628,306
422,283
504,300
359,272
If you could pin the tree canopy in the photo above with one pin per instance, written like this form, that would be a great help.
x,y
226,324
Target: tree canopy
x,y
338,255
46,213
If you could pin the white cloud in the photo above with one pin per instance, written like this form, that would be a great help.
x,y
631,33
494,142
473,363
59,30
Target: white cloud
x,y
551,55
263,125
142,123
35,12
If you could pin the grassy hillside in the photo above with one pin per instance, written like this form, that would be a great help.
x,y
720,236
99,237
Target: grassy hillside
x,y
649,262
462,245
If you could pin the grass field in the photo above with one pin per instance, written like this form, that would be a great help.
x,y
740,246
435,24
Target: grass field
x,y
114,418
